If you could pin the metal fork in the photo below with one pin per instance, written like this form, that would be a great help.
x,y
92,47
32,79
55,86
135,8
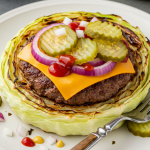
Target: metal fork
x,y
138,115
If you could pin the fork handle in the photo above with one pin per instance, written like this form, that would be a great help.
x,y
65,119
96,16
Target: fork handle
x,y
93,138
88,142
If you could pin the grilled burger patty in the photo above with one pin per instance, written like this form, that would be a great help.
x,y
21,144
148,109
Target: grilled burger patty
x,y
100,91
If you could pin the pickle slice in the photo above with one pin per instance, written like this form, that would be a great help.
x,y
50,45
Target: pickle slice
x,y
86,50
111,51
55,45
103,30
139,129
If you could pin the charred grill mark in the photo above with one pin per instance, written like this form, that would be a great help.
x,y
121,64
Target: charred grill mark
x,y
104,20
146,86
23,83
50,22
87,18
15,87
148,41
138,57
116,16
31,38
8,75
20,85
140,63
8,70
139,47
146,56
26,35
132,39
14,72
142,74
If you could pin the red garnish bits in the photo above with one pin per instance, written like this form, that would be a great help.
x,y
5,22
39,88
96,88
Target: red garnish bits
x,y
126,43
75,26
63,67
27,142
80,28
88,67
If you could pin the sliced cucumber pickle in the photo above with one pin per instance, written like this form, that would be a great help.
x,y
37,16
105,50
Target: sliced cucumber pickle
x,y
111,51
86,50
139,129
103,30
55,45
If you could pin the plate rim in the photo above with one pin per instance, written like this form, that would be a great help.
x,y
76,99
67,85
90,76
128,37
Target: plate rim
x,y
40,4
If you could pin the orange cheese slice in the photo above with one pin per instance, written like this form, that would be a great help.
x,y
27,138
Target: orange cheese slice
x,y
73,83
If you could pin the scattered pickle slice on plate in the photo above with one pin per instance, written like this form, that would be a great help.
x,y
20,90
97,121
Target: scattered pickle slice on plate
x,y
111,51
139,129
85,50
103,30
55,45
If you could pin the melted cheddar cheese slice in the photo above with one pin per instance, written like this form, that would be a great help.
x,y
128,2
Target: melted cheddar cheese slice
x,y
73,83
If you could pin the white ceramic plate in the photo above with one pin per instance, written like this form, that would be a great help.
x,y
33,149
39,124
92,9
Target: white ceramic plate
x,y
13,21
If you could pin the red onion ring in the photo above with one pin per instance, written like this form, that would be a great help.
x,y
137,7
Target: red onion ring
x,y
94,19
1,117
37,54
97,71
96,62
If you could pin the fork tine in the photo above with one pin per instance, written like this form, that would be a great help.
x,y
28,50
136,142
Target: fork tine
x,y
148,111
142,106
145,110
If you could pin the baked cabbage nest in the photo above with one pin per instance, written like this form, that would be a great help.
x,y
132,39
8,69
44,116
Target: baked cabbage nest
x,y
64,119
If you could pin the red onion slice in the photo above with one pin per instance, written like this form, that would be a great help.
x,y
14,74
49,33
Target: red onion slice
x,y
97,71
21,130
37,54
94,19
96,62
1,117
